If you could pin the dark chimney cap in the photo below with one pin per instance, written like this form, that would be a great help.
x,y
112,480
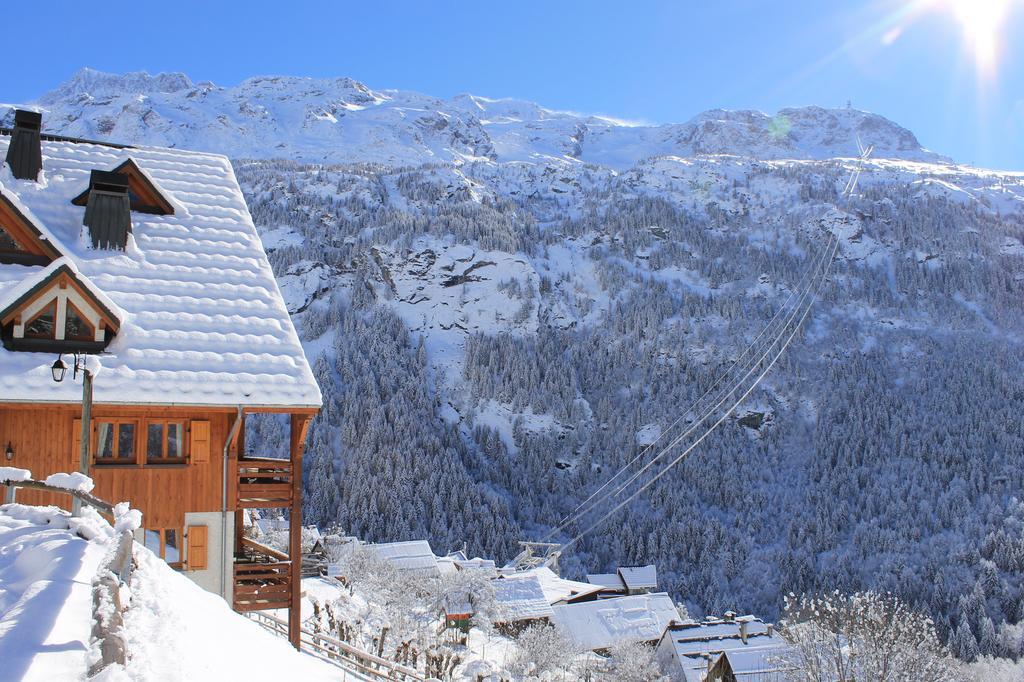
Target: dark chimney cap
x,y
28,119
25,152
108,181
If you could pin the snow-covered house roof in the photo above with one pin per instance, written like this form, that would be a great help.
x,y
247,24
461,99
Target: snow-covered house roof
x,y
201,320
608,581
560,590
639,577
520,597
597,625
755,651
627,578
414,556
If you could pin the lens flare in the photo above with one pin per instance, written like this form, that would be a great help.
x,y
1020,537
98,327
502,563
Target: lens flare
x,y
982,22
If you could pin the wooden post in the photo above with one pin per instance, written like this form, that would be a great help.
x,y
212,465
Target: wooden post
x,y
299,424
83,450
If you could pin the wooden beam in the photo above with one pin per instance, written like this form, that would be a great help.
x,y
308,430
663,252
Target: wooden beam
x,y
299,426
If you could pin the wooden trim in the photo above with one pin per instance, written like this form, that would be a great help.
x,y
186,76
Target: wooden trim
x,y
150,200
157,408
25,232
63,274
164,458
297,445
137,457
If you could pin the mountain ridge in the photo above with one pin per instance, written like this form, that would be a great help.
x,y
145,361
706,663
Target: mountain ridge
x,y
340,120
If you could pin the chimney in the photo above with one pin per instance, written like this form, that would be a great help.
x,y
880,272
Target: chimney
x,y
24,155
743,631
108,212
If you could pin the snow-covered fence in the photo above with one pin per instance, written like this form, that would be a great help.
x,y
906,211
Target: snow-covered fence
x,y
76,485
114,571
340,653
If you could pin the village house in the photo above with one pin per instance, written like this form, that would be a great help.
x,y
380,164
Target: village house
x,y
728,649
601,624
134,288
626,580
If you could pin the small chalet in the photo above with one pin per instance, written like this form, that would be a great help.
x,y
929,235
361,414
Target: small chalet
x,y
414,557
729,649
521,602
601,624
134,288
627,580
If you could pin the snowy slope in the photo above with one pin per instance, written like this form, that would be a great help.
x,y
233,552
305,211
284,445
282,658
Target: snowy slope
x,y
46,573
174,630
343,121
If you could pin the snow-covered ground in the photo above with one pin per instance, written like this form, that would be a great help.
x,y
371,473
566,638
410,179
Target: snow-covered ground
x,y
173,629
46,572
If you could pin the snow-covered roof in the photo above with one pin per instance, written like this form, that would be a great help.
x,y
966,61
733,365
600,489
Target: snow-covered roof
x,y
609,581
414,556
600,624
759,658
639,577
521,598
559,590
627,578
202,321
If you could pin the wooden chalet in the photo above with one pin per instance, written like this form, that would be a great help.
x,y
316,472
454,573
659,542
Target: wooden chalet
x,y
144,264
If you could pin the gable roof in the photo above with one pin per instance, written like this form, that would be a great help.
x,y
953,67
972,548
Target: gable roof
x,y
146,196
203,323
760,657
603,623
17,296
639,577
22,226
413,556
521,597
606,581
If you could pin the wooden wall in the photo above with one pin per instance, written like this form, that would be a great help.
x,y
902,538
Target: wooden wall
x,y
43,441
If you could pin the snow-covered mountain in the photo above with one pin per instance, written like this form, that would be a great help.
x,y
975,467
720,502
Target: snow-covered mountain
x,y
503,303
343,121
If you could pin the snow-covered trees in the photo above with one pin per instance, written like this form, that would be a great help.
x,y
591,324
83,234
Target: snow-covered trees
x,y
630,662
542,650
863,636
896,449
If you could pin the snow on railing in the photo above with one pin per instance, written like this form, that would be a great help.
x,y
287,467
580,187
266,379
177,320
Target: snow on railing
x,y
107,641
340,653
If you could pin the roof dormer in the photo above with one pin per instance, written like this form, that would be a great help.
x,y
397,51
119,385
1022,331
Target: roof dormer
x,y
143,193
58,311
21,241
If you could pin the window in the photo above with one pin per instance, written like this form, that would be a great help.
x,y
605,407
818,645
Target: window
x,y
165,441
43,324
115,442
166,544
76,327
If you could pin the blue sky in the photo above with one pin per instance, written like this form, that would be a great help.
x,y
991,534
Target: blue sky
x,y
909,60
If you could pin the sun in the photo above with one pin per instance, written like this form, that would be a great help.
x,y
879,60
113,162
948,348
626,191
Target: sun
x,y
982,23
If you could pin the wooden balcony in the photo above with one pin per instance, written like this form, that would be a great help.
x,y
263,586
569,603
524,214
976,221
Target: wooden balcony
x,y
264,483
263,578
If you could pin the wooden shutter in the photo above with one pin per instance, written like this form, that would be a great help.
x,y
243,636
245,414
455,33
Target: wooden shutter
x,y
197,538
200,442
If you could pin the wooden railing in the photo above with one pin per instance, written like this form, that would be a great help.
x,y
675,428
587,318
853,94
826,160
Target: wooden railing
x,y
264,483
341,654
261,585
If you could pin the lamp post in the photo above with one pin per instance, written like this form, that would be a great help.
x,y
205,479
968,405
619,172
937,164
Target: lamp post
x,y
58,370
